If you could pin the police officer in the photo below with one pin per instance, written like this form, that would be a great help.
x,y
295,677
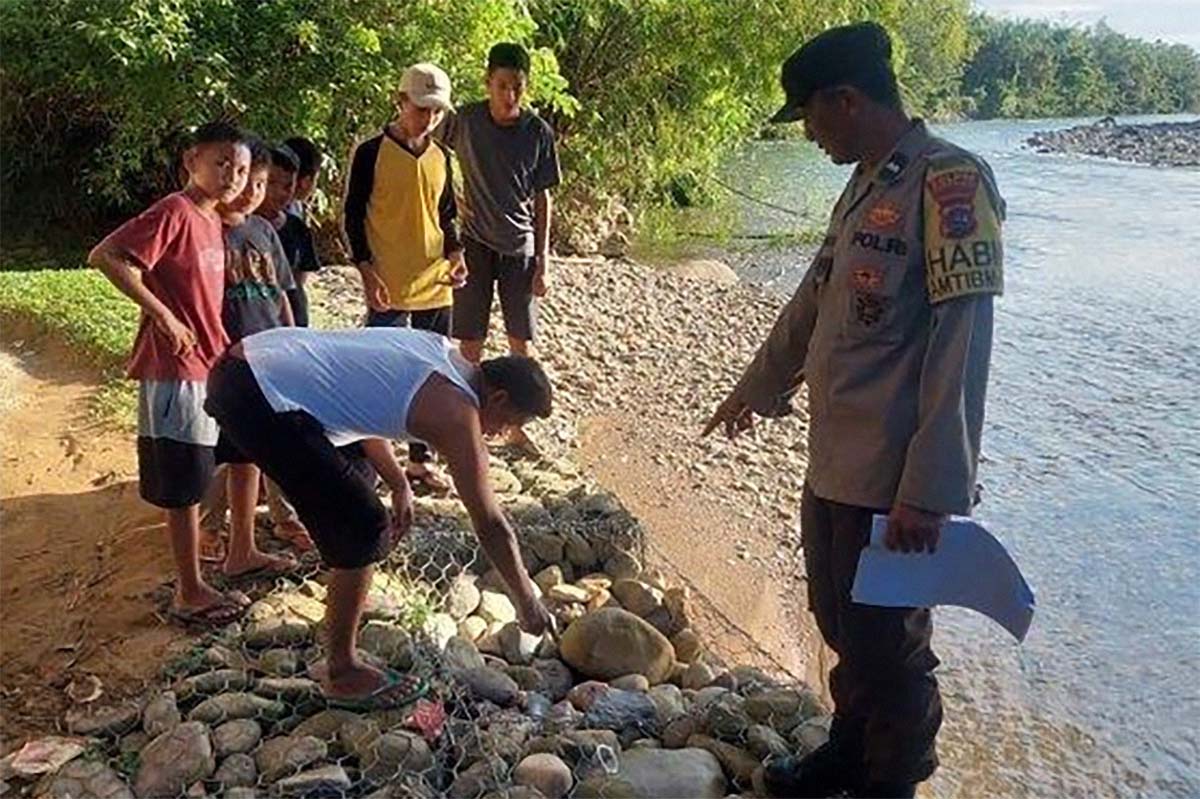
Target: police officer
x,y
891,329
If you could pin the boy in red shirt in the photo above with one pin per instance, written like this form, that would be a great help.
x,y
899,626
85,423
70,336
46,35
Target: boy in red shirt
x,y
170,260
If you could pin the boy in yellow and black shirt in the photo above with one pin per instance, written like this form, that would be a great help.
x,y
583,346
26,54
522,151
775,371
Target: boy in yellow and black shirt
x,y
401,223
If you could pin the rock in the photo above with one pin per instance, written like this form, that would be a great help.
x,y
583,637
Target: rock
x,y
676,600
706,269
527,678
546,773
490,684
549,577
569,593
726,718
582,745
593,583
811,734
601,598
237,770
326,725
461,653
751,680
236,737
113,720
285,619
677,672
611,643
174,760
290,689
225,707
652,773
161,714
739,765
698,675
241,793
462,597
668,702
515,792
388,642
440,628
556,679
279,662
623,712
280,757
84,778
135,741
546,546
324,780
623,566
479,778
687,646
578,551
222,657
584,695
472,627
675,735
393,754
631,682
706,696
780,708
763,742
654,577
725,680
496,607
637,597
517,647
211,683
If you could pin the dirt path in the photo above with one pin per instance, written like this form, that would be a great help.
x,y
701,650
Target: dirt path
x,y
82,554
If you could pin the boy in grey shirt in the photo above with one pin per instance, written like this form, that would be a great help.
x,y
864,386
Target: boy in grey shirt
x,y
509,164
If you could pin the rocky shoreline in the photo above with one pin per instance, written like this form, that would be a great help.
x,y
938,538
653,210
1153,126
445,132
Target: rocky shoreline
x,y
649,691
1158,144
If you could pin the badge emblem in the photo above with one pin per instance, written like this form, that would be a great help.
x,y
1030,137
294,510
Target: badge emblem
x,y
884,216
954,193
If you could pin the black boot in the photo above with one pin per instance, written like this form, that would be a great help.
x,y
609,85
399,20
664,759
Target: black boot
x,y
827,771
887,790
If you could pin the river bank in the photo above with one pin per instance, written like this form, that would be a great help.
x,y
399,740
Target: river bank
x,y
1157,144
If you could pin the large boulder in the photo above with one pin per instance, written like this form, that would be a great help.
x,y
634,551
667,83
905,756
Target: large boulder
x,y
545,772
612,643
654,773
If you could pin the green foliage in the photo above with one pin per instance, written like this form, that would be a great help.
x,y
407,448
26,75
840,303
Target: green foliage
x,y
82,309
1025,68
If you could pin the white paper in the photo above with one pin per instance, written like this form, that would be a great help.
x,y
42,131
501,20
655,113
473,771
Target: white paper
x,y
970,569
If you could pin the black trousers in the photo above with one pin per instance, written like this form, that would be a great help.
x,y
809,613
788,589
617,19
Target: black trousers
x,y
887,709
436,320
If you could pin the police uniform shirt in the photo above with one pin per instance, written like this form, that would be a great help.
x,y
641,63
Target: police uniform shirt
x,y
891,328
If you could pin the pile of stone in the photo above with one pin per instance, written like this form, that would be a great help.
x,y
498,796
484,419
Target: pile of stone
x,y
1159,144
628,702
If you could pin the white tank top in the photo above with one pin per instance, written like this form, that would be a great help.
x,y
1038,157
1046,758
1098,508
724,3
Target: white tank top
x,y
356,383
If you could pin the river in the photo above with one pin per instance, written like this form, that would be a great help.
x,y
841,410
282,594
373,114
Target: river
x,y
1091,467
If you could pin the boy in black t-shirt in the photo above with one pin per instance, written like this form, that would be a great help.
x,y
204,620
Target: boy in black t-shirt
x,y
293,231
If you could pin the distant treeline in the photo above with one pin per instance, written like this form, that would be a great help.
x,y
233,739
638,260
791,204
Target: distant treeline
x,y
646,96
1022,68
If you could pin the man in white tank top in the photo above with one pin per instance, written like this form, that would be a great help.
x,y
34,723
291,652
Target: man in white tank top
x,y
289,397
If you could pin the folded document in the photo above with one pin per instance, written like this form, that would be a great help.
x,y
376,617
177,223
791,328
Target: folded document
x,y
970,568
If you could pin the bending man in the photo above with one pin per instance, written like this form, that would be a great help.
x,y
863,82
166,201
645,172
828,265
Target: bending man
x,y
287,398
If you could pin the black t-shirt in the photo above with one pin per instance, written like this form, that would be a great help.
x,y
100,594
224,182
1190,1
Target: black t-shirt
x,y
298,244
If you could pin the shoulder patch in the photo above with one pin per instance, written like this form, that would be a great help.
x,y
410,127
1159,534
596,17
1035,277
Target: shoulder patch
x,y
963,250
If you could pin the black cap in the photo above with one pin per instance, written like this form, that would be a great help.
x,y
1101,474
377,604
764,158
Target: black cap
x,y
832,58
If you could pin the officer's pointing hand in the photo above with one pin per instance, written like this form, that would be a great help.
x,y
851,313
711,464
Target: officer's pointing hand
x,y
912,529
734,414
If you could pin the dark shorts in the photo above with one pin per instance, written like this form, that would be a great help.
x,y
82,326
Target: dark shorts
x,y
331,489
436,320
473,302
173,474
299,302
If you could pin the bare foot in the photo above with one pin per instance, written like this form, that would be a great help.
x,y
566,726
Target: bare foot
x,y
357,680
257,561
205,596
294,533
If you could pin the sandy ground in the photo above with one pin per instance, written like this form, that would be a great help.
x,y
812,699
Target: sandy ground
x,y
82,554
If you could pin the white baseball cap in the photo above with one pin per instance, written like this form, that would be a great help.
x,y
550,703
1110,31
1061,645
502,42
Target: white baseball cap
x,y
427,86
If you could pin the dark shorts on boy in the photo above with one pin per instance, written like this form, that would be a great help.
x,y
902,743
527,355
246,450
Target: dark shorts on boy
x,y
175,443
331,488
473,302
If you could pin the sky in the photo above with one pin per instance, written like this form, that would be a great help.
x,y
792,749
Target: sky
x,y
1169,20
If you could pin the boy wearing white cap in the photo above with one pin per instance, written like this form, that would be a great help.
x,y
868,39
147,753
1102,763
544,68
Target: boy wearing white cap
x,y
400,220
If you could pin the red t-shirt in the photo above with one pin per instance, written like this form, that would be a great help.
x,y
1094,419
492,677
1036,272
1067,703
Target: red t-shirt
x,y
183,252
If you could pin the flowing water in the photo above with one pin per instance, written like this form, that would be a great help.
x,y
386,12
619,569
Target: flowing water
x,y
1091,467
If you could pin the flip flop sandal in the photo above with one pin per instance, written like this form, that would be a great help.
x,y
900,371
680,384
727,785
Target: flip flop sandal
x,y
212,617
397,690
